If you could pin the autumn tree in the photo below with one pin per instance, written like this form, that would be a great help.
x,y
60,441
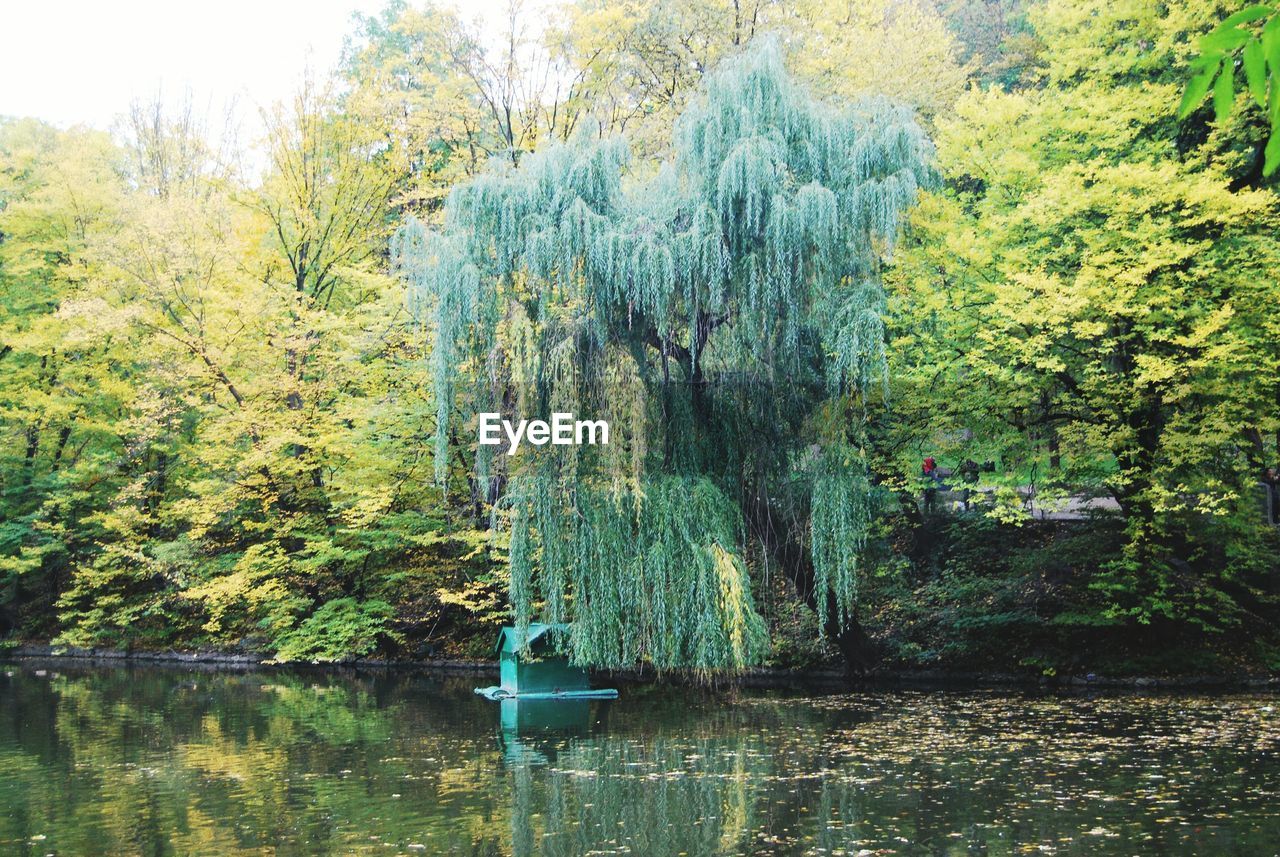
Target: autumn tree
x,y
449,102
219,431
1089,297
59,194
637,64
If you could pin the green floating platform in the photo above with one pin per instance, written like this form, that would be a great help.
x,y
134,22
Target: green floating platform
x,y
541,673
502,693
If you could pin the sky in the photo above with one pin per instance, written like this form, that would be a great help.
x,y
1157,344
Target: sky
x,y
84,61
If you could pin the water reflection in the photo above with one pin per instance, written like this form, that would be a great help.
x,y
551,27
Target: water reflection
x,y
157,761
532,731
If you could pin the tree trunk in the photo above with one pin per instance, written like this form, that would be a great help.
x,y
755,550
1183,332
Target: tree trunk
x,y
780,539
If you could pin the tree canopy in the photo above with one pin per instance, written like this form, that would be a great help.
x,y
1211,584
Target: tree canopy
x,y
709,312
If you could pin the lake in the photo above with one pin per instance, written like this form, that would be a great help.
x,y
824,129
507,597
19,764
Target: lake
x,y
155,760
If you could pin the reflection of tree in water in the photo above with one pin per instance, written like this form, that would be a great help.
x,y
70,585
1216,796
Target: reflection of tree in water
x,y
201,763
153,761
931,772
665,797
694,792
164,762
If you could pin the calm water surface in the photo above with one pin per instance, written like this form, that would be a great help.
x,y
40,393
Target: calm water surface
x,y
160,761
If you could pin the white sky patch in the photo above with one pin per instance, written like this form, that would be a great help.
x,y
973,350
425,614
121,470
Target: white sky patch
x,y
74,62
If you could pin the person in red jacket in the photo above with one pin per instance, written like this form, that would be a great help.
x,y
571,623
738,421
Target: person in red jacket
x,y
930,471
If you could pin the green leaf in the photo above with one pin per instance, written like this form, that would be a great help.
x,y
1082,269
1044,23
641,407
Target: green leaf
x,y
1224,92
1271,41
1271,46
1274,113
1255,71
1204,62
1272,153
1223,39
1247,15
1195,92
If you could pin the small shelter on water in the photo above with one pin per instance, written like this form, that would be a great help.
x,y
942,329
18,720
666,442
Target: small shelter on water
x,y
540,671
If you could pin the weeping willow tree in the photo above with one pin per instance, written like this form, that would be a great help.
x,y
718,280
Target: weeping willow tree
x,y
722,310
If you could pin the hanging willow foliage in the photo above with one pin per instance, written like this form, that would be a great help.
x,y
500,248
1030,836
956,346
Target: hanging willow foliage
x,y
838,521
653,578
439,267
707,312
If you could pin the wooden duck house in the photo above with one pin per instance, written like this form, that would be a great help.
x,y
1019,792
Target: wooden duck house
x,y
532,668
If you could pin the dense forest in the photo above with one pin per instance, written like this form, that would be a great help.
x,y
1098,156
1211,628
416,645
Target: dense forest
x,y
933,334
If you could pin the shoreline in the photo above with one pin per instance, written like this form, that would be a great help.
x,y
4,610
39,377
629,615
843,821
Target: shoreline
x,y
759,677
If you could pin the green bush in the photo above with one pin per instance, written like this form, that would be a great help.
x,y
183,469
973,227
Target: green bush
x,y
339,629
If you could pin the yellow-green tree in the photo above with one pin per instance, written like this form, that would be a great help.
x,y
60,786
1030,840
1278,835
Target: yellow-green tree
x,y
217,427
60,192
1095,290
